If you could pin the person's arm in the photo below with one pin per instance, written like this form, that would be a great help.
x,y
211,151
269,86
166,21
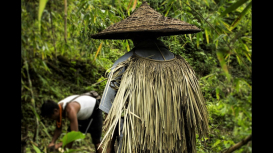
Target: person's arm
x,y
72,117
56,135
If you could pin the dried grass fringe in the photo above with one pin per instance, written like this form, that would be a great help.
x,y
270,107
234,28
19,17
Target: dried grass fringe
x,y
162,104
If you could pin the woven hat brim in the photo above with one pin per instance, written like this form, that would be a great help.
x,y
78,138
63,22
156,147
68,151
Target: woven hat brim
x,y
149,33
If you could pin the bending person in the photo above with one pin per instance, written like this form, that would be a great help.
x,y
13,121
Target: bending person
x,y
79,112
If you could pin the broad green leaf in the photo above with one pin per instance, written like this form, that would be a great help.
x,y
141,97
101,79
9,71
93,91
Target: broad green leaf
x,y
42,4
72,136
240,16
234,6
36,149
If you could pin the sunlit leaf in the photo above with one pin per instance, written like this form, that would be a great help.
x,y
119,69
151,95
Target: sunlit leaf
x,y
247,56
127,45
227,144
216,143
36,149
98,51
134,6
238,59
72,136
42,4
240,16
217,93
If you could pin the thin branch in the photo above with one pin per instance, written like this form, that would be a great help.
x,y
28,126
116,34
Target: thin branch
x,y
65,20
52,29
239,144
33,104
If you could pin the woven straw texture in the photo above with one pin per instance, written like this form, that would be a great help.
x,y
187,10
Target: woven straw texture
x,y
147,22
162,103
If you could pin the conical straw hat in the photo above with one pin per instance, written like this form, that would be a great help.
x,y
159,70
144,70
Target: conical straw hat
x,y
147,22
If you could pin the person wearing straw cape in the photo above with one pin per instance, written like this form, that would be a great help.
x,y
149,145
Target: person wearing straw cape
x,y
155,91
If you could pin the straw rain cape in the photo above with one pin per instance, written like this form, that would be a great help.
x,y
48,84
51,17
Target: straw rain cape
x,y
162,104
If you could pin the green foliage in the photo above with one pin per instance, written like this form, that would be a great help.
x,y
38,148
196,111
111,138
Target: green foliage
x,y
37,150
241,16
72,136
42,4
233,7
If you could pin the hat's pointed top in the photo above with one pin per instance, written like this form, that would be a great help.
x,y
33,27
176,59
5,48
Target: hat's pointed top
x,y
148,22
144,3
